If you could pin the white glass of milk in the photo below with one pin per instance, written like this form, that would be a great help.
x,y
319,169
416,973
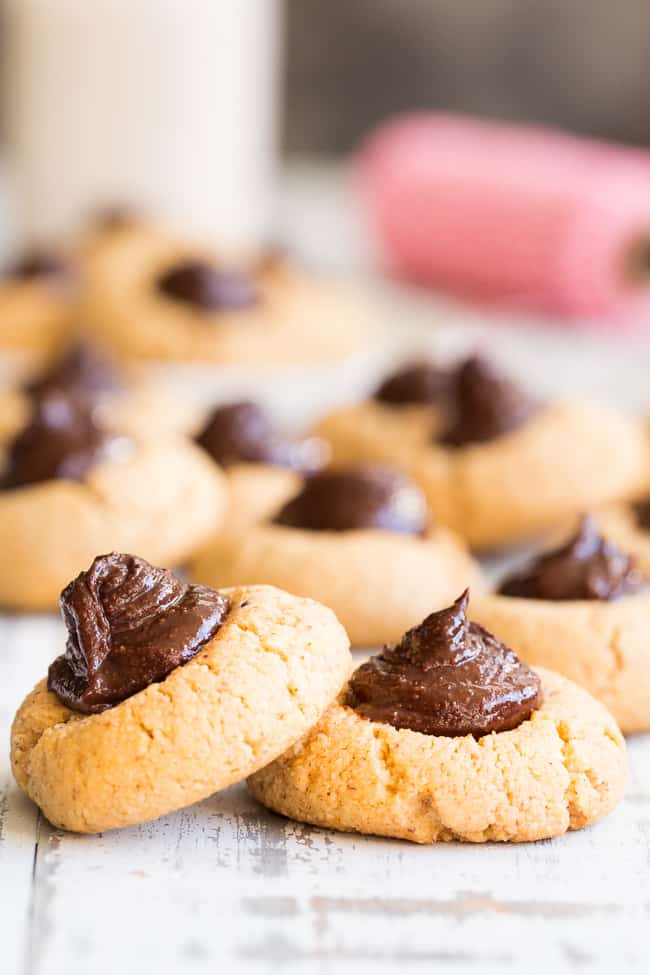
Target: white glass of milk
x,y
169,106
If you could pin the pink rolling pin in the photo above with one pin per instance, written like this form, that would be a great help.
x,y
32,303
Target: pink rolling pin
x,y
513,215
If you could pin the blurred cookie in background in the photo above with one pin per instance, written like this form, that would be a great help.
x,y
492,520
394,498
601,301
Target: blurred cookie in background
x,y
263,467
119,395
153,297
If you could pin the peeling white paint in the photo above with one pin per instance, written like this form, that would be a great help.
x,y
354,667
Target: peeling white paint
x,y
229,883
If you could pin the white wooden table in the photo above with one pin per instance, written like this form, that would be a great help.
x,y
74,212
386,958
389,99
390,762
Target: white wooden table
x,y
226,886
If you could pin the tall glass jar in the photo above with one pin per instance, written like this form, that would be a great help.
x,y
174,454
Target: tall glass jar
x,y
167,105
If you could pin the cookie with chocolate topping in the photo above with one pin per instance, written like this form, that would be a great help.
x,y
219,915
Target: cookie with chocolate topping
x,y
154,297
447,735
115,395
166,693
448,677
61,442
263,467
509,467
497,465
582,610
359,539
70,486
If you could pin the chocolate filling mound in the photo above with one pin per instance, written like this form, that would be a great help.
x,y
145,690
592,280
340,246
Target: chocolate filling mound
x,y
208,288
61,441
418,383
587,567
356,498
85,372
447,677
486,405
244,433
129,625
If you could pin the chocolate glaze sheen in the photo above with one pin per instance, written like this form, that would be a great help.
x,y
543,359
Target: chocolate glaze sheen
x,y
356,498
129,625
61,442
208,288
587,567
447,677
418,383
243,433
85,371
487,405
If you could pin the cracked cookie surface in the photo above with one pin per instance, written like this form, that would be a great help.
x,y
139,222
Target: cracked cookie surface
x,y
265,678
603,646
562,769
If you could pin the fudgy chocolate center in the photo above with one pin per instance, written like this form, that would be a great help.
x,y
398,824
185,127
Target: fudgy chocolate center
x,y
447,677
417,383
244,433
61,441
486,405
84,371
356,498
129,625
208,288
587,567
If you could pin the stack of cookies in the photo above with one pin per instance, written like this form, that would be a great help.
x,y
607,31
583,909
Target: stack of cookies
x,y
487,715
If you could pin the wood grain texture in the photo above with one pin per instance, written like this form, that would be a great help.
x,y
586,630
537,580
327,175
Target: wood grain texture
x,y
226,886
227,882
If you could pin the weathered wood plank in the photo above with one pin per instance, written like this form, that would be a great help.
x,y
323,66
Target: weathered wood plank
x,y
228,882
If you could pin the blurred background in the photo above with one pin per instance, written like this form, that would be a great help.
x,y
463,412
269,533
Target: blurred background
x,y
240,124
578,64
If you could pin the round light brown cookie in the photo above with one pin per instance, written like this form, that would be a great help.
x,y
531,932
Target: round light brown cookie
x,y
378,583
258,685
565,459
296,318
603,646
164,500
376,431
562,769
